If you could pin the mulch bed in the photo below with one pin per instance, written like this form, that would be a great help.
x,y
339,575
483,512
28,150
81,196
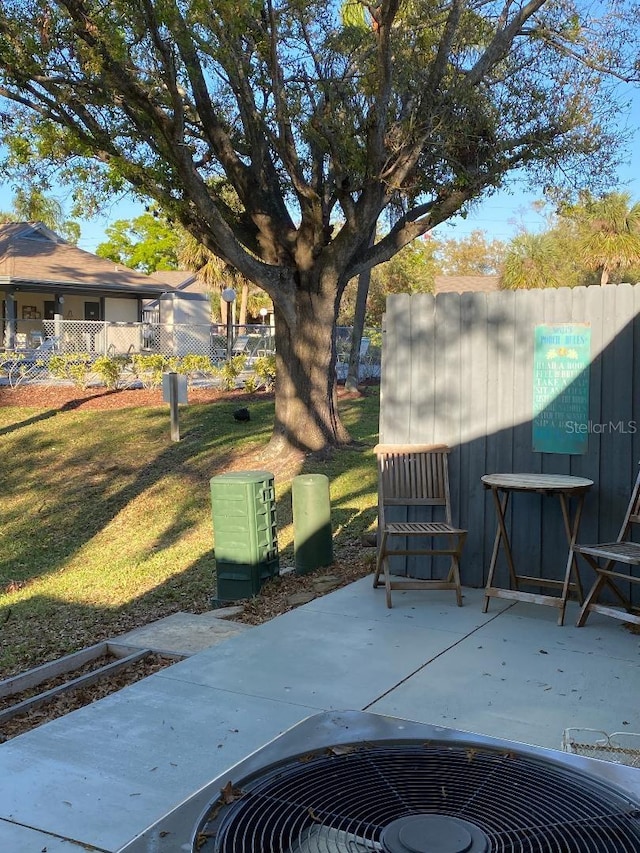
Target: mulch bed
x,y
67,397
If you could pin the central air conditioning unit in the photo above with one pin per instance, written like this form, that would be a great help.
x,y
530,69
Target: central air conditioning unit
x,y
355,782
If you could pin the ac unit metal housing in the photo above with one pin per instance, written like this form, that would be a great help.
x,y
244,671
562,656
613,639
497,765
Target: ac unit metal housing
x,y
353,782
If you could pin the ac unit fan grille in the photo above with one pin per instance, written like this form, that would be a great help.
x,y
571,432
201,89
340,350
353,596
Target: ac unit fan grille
x,y
521,804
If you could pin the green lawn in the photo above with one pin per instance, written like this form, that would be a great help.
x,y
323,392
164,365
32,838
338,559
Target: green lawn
x,y
106,523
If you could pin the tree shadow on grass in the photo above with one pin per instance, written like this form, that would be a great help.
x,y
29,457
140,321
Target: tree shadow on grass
x,y
69,406
42,628
90,488
82,476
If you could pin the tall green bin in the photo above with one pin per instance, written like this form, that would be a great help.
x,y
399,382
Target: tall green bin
x,y
312,537
243,513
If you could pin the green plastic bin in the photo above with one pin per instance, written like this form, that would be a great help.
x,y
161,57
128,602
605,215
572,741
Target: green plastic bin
x,y
243,513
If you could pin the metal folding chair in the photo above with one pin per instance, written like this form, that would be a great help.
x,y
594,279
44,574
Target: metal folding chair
x,y
602,557
416,476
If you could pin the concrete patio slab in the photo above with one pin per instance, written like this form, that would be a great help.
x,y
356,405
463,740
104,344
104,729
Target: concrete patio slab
x,y
101,775
16,838
182,633
524,675
105,772
432,609
601,635
317,659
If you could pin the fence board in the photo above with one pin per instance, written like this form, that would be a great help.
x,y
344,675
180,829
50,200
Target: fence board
x,y
525,537
422,346
593,511
473,408
459,369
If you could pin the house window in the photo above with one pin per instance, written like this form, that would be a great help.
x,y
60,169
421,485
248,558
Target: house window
x,y
91,310
49,309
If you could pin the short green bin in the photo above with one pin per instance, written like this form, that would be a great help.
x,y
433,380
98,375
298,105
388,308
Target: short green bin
x,y
243,513
312,537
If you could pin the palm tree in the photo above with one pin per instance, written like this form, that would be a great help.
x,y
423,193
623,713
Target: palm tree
x,y
609,232
538,260
216,275
32,205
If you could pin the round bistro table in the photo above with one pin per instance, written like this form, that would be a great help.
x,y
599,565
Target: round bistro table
x,y
565,488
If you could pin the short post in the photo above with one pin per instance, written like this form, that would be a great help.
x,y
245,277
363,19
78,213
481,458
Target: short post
x,y
174,391
173,406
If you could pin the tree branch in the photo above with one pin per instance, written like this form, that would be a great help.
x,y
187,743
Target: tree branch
x,y
503,39
441,61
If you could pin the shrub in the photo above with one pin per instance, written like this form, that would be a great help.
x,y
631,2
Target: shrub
x,y
192,364
265,369
109,367
76,367
149,368
230,370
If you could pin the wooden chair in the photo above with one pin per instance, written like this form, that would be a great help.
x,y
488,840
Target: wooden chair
x,y
612,553
416,476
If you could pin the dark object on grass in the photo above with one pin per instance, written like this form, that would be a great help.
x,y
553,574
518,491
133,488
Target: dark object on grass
x,y
242,415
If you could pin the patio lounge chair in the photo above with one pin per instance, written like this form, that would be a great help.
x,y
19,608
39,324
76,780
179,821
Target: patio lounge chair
x,y
416,476
603,557
240,345
28,364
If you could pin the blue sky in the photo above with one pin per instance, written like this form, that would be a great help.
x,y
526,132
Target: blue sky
x,y
501,216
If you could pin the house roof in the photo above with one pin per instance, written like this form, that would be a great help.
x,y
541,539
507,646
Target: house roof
x,y
181,280
34,257
467,283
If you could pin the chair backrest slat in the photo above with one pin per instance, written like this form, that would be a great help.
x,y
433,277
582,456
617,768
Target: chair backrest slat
x,y
413,475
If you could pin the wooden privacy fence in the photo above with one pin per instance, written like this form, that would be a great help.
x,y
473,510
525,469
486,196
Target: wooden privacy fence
x,y
458,369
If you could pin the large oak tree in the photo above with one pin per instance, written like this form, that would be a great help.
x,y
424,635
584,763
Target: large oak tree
x,y
318,120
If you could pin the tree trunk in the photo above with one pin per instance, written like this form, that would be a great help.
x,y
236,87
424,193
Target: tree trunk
x,y
306,405
364,280
244,299
353,373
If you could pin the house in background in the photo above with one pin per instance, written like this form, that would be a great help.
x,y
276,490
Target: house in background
x,y
182,280
181,283
41,276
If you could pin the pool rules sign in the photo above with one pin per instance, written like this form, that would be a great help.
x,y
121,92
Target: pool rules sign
x,y
561,359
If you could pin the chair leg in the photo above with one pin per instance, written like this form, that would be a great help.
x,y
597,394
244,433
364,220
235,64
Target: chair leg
x,y
387,581
381,554
624,601
382,564
591,597
456,580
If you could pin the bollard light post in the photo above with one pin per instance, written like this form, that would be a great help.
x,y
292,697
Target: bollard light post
x,y
229,296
